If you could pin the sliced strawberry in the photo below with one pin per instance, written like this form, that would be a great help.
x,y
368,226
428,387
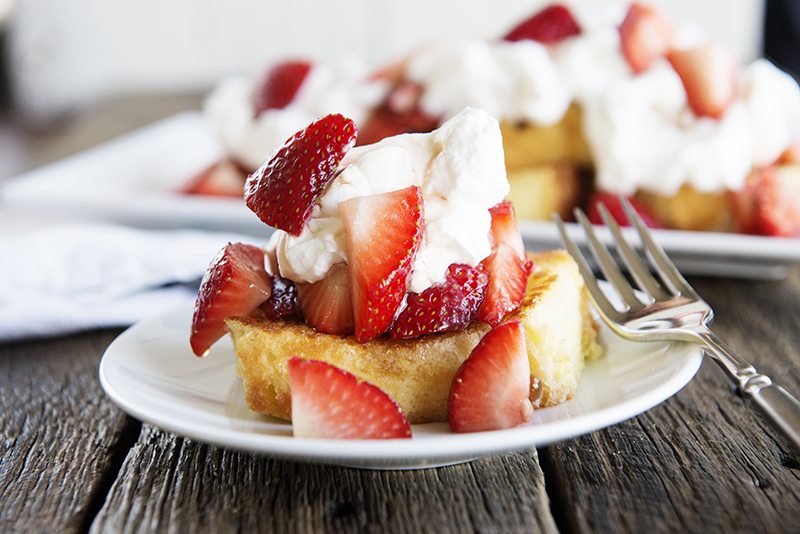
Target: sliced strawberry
x,y
614,206
491,389
709,75
327,304
504,227
282,303
508,279
330,403
550,25
645,34
284,190
234,285
383,123
383,233
448,306
769,203
222,179
280,85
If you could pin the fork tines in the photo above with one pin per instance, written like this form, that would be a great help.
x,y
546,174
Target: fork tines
x,y
672,282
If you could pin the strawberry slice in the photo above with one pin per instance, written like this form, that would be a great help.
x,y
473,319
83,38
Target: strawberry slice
x,y
614,206
709,75
280,85
327,304
282,303
284,190
491,390
645,34
329,403
383,233
504,227
769,203
508,279
234,285
222,179
550,25
448,306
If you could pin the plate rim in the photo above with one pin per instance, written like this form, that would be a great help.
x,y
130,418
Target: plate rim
x,y
442,447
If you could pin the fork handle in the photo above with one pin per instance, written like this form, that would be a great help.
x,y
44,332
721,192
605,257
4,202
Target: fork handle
x,y
779,406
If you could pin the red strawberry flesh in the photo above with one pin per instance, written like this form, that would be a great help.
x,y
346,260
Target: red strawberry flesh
x,y
330,403
448,306
234,285
491,389
645,36
508,280
550,25
224,178
504,227
327,304
769,202
280,85
383,234
283,192
709,76
282,303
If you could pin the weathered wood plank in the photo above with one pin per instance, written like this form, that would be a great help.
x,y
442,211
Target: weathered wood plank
x,y
170,483
60,433
704,460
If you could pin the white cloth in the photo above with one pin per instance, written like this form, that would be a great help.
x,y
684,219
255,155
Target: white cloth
x,y
60,279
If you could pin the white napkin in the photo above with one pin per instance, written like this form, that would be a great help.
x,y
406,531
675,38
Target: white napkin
x,y
60,279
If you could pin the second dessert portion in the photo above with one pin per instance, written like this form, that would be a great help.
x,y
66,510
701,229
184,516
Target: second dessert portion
x,y
592,103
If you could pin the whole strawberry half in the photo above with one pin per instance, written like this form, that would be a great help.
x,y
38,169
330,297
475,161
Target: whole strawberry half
x,y
504,227
709,76
224,178
769,202
448,306
327,304
329,403
234,285
614,206
284,190
280,85
383,234
491,390
550,25
645,35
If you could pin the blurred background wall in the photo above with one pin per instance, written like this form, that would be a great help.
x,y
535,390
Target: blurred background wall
x,y
63,54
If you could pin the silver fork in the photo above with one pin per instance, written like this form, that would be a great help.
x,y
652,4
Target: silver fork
x,y
673,311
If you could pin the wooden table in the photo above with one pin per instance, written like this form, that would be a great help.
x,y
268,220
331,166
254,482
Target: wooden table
x,y
70,460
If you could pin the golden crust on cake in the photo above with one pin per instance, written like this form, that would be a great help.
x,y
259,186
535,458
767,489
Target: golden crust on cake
x,y
417,373
690,209
538,192
528,145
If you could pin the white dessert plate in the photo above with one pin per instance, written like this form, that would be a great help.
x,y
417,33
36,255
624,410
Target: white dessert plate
x,y
133,179
152,374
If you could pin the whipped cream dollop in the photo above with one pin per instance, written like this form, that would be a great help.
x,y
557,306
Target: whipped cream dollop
x,y
644,136
339,87
460,169
511,81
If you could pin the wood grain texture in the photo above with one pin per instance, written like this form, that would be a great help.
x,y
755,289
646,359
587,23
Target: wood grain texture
x,y
60,433
170,483
704,460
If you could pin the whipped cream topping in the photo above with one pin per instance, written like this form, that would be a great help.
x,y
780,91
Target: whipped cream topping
x,y
340,87
511,81
461,170
644,136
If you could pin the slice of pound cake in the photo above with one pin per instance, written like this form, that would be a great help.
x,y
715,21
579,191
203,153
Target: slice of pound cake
x,y
417,373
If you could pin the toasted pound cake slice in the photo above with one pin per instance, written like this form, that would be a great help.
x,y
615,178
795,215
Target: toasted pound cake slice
x,y
417,373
